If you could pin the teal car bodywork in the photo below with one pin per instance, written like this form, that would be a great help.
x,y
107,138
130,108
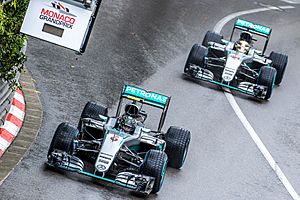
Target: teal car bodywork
x,y
222,64
104,151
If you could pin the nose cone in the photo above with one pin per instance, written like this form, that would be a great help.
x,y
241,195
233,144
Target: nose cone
x,y
227,78
232,64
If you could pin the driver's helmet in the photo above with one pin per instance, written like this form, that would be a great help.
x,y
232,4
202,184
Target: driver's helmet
x,y
132,110
242,46
246,36
128,119
127,123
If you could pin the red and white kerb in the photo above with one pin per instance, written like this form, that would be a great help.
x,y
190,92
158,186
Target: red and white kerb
x,y
13,123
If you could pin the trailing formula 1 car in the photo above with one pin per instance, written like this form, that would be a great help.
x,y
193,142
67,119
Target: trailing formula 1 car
x,y
120,149
238,65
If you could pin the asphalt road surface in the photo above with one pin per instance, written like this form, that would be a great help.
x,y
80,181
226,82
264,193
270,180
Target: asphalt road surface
x,y
146,43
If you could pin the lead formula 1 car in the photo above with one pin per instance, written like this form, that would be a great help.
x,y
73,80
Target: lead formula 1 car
x,y
238,65
120,149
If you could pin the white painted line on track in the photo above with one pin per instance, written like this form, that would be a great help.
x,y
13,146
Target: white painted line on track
x,y
218,27
241,115
261,146
291,1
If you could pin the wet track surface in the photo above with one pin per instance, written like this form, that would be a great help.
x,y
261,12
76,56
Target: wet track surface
x,y
147,44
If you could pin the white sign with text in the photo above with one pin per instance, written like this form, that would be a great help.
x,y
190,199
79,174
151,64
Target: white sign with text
x,y
57,22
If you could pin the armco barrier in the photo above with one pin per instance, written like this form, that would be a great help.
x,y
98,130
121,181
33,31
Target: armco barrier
x,y
6,93
6,96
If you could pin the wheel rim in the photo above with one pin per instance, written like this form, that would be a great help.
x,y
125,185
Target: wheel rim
x,y
185,152
274,79
186,67
163,172
187,64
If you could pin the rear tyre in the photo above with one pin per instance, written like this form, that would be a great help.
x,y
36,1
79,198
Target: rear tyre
x,y
155,166
63,139
177,142
279,62
267,77
196,56
92,110
212,37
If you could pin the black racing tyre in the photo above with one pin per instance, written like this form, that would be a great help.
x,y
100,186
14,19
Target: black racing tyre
x,y
177,144
279,62
196,56
92,110
155,165
212,37
267,77
63,138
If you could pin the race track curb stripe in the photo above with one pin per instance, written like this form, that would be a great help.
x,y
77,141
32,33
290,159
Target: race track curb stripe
x,y
13,123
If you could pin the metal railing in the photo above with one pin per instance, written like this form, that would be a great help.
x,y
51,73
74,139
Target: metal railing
x,y
6,93
6,96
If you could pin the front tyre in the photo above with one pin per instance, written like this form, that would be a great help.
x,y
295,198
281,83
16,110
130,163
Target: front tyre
x,y
212,37
279,62
196,57
63,139
92,110
177,144
266,78
155,166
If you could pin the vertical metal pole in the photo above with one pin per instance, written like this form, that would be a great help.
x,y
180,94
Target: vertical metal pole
x,y
91,24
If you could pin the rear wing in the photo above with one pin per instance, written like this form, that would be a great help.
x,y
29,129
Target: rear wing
x,y
257,29
146,97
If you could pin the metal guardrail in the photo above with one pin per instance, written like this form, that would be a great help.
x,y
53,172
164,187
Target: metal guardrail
x,y
6,93
6,96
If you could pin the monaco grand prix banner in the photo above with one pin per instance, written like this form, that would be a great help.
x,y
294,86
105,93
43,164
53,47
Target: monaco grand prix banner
x,y
57,22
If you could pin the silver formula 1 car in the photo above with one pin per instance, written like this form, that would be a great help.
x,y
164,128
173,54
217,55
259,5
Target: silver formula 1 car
x,y
238,65
120,149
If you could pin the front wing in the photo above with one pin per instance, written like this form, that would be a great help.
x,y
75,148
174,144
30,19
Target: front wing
x,y
248,88
136,182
